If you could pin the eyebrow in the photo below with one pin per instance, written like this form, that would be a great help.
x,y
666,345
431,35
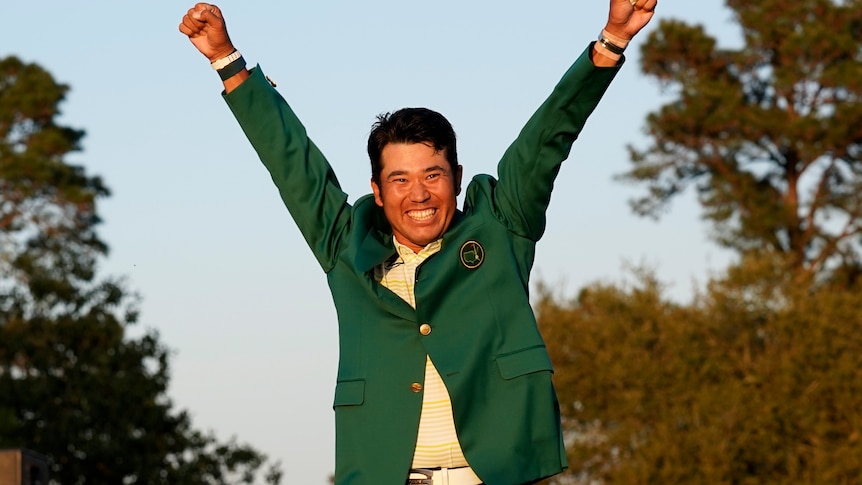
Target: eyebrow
x,y
398,173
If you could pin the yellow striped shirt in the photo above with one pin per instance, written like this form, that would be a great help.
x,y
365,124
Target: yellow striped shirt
x,y
437,444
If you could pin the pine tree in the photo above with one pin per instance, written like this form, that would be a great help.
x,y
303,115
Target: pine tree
x,y
74,384
770,134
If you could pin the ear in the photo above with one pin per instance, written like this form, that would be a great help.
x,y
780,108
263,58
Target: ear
x,y
458,172
378,196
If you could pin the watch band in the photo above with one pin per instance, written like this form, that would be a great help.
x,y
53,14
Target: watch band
x,y
607,44
231,69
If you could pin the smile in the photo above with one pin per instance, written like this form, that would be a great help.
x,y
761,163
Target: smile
x,y
422,215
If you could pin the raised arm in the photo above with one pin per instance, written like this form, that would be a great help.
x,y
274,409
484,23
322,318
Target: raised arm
x,y
625,19
304,178
530,165
205,26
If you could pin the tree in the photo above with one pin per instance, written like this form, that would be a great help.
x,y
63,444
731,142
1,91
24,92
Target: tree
x,y
770,135
756,380
74,385
730,389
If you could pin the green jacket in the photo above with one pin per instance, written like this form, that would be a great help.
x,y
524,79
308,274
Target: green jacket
x,y
473,293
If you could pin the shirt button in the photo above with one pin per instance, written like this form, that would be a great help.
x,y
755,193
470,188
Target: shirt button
x,y
424,329
416,387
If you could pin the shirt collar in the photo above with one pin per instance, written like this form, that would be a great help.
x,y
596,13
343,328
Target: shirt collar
x,y
407,254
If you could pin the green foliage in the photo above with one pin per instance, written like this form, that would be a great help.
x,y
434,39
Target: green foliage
x,y
769,135
758,381
74,385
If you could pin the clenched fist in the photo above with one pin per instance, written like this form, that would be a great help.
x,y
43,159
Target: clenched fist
x,y
205,27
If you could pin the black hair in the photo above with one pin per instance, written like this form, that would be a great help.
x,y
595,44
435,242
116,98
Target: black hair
x,y
411,125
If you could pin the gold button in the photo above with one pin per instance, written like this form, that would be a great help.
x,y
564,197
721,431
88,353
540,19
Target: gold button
x,y
424,329
416,387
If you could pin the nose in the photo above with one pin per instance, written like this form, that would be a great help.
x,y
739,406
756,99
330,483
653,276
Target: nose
x,y
418,192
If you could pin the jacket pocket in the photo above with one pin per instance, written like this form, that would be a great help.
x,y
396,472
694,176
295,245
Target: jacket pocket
x,y
349,393
526,361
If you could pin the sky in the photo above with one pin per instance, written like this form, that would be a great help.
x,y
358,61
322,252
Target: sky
x,y
198,231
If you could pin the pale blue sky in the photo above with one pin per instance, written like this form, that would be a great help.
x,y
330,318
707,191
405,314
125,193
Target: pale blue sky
x,y
198,230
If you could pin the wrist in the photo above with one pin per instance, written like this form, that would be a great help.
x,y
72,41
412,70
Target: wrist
x,y
221,54
610,45
617,32
614,41
230,66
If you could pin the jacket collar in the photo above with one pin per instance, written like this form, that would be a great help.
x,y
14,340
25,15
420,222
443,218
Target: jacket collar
x,y
376,245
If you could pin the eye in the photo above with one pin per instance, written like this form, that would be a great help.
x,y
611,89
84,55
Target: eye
x,y
432,176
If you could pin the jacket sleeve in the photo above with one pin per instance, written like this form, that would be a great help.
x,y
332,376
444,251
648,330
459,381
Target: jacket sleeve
x,y
529,166
304,178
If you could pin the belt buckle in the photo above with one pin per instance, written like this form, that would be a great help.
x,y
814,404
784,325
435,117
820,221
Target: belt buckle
x,y
428,480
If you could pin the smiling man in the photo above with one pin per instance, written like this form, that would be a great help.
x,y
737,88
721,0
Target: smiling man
x,y
413,178
443,377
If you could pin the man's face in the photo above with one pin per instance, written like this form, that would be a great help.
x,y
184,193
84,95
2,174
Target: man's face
x,y
417,192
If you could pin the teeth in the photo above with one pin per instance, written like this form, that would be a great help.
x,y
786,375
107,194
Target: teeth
x,y
421,215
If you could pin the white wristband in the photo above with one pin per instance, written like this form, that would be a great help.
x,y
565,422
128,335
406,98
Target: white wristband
x,y
614,40
224,61
601,48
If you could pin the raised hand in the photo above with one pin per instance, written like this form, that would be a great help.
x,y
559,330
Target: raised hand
x,y
205,27
627,17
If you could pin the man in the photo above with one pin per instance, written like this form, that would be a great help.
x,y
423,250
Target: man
x,y
443,377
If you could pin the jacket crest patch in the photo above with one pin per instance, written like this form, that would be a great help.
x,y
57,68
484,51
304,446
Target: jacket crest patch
x,y
472,254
